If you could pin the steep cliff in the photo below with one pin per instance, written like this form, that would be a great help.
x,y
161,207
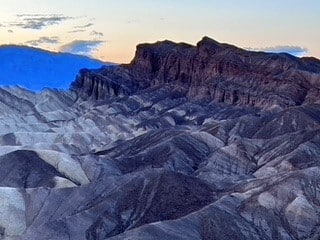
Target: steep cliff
x,y
213,71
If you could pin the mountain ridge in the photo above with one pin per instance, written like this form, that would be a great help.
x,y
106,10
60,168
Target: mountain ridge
x,y
221,72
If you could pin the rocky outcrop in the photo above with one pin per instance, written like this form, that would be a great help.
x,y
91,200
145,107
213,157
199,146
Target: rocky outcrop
x,y
215,71
96,86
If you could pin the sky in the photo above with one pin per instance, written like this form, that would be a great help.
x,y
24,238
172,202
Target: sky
x,y
110,29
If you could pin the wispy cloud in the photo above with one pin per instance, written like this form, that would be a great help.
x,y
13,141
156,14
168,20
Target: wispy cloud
x,y
96,34
293,50
84,26
43,40
77,31
30,15
9,31
38,21
82,47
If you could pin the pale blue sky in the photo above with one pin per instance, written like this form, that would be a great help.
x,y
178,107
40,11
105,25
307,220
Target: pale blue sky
x,y
110,29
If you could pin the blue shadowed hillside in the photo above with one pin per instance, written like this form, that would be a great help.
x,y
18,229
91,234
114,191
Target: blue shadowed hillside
x,y
36,69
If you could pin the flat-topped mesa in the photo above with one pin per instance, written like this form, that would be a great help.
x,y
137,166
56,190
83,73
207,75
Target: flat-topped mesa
x,y
222,72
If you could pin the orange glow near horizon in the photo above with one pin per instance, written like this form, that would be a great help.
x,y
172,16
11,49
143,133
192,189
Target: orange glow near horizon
x,y
110,30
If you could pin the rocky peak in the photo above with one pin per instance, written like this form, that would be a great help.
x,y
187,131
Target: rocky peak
x,y
209,46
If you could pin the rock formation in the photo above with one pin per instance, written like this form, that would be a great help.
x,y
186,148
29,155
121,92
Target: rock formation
x,y
214,71
185,142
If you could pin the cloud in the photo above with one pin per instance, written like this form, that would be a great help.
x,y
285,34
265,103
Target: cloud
x,y
38,21
43,40
84,26
76,31
96,34
82,47
9,31
293,50
30,15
